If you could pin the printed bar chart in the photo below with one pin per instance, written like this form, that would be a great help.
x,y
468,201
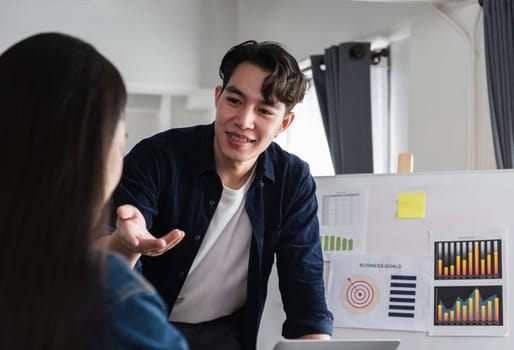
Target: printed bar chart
x,y
464,306
335,243
468,259
341,222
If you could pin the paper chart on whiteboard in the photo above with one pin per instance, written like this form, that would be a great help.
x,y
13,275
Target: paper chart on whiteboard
x,y
380,292
342,221
469,286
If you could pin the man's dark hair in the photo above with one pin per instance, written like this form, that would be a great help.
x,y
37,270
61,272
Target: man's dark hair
x,y
286,82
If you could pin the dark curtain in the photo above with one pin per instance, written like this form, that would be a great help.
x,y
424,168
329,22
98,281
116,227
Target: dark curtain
x,y
342,81
499,59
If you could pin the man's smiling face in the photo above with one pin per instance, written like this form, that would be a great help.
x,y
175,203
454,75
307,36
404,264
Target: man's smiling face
x,y
246,123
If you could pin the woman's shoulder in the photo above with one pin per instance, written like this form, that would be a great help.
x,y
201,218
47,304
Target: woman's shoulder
x,y
135,313
121,282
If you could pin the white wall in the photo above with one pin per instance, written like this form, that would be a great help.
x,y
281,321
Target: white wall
x,y
147,114
164,48
158,44
400,95
439,103
307,27
483,133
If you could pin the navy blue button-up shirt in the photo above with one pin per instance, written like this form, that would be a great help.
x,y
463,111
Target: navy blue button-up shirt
x,y
171,177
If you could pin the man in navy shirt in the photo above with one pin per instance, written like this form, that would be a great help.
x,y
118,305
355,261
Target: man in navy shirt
x,y
234,200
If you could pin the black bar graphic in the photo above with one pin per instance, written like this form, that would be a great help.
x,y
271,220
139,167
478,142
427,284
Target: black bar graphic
x,y
402,300
400,314
404,278
401,296
403,285
401,307
402,292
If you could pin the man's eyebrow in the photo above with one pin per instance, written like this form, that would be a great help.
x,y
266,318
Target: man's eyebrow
x,y
234,90
270,103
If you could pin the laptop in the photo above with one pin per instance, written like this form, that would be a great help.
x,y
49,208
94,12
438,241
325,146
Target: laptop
x,y
338,344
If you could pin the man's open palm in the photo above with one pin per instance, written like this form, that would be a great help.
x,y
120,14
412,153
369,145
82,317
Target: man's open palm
x,y
133,235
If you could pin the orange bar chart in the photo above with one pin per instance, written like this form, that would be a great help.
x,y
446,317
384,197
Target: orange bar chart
x,y
468,306
468,259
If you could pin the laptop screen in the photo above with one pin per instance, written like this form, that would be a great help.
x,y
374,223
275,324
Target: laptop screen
x,y
338,344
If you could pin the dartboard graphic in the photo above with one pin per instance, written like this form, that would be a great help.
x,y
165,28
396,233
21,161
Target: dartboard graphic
x,y
359,294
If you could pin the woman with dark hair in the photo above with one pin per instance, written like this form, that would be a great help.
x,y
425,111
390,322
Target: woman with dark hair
x,y
61,149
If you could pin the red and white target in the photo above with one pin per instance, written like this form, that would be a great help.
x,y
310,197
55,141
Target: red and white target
x,y
359,294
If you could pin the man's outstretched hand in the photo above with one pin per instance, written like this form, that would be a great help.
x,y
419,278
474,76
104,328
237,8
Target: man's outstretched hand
x,y
132,239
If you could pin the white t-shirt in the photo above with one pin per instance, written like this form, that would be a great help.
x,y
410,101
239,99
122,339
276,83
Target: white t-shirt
x,y
216,283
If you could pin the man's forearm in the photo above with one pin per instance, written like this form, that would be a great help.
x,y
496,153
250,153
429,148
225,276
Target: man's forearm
x,y
316,336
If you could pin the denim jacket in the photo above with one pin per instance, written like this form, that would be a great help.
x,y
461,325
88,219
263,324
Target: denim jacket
x,y
171,177
135,316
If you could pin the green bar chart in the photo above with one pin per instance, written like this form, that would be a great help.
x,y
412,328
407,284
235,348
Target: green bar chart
x,y
335,243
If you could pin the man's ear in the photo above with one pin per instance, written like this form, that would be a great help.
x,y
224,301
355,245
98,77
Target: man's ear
x,y
217,94
286,122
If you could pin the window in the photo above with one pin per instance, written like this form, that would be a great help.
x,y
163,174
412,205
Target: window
x,y
380,107
307,139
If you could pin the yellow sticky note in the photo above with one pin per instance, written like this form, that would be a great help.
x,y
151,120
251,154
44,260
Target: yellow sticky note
x,y
411,205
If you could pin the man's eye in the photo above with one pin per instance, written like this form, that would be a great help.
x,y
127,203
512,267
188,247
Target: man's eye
x,y
265,111
234,101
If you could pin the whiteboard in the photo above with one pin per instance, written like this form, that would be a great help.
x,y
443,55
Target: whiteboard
x,y
455,202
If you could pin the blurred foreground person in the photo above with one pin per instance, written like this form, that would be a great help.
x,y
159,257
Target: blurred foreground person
x,y
61,147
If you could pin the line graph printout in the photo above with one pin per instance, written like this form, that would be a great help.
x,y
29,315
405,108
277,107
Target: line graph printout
x,y
469,284
461,306
379,292
342,221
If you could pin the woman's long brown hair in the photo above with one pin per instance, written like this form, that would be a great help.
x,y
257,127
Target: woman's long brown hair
x,y
60,102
